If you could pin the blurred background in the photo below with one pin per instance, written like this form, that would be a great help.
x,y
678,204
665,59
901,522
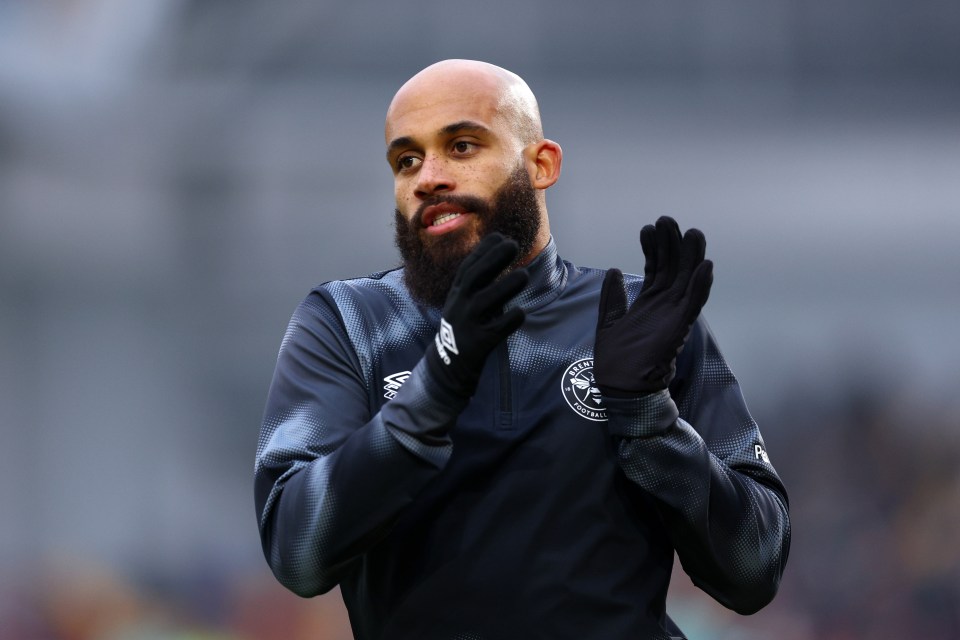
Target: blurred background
x,y
176,174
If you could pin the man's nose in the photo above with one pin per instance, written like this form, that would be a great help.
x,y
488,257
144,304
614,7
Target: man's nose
x,y
433,177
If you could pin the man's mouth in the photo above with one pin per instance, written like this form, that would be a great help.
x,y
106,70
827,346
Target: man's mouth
x,y
439,213
444,217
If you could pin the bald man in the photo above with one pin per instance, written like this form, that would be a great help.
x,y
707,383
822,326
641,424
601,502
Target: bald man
x,y
491,442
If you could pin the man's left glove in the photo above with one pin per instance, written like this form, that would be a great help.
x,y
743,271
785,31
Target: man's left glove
x,y
636,350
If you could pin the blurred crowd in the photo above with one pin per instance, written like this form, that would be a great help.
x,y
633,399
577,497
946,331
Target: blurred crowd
x,y
95,603
874,484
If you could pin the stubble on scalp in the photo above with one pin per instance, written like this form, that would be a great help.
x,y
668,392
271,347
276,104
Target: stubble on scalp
x,y
430,267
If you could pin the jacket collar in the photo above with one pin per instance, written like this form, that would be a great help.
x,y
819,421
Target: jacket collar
x,y
548,277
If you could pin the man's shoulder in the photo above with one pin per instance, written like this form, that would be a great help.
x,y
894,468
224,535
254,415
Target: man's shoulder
x,y
587,274
388,278
601,271
375,299
381,284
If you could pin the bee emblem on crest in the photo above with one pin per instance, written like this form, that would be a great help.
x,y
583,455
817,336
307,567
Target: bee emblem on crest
x,y
580,391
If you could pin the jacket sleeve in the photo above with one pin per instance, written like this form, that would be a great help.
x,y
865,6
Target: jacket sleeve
x,y
699,453
329,477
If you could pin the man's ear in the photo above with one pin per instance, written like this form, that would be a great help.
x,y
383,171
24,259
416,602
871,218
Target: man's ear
x,y
543,161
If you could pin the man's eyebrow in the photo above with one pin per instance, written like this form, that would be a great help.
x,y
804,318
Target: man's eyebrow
x,y
463,125
396,143
450,129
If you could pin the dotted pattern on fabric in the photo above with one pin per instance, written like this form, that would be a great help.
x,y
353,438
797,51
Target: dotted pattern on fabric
x,y
430,413
285,436
301,318
662,465
298,444
530,357
305,553
282,440
368,328
548,279
404,325
641,417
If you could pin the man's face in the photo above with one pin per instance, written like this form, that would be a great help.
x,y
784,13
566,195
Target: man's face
x,y
459,174
431,263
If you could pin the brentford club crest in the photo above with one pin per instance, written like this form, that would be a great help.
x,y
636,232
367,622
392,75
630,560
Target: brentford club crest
x,y
580,391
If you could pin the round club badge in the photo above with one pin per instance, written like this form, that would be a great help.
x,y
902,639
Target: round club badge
x,y
580,391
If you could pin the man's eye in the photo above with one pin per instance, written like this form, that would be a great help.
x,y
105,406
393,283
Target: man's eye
x,y
462,146
405,163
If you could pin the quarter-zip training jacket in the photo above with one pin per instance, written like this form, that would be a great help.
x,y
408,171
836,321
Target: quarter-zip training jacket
x,y
541,509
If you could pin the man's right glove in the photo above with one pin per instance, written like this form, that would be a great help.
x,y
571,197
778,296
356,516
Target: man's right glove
x,y
473,322
636,350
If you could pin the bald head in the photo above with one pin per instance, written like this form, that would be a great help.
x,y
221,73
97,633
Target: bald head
x,y
467,151
503,94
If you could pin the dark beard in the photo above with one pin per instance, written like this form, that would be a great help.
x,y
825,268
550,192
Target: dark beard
x,y
429,269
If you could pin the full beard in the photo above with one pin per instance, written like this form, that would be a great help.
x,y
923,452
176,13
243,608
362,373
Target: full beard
x,y
429,267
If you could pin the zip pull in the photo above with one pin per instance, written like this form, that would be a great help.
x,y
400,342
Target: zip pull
x,y
505,407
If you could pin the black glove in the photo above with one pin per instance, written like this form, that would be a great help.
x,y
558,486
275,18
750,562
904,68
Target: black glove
x,y
473,322
636,350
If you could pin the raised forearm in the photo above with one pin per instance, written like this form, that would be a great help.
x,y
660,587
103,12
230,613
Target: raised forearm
x,y
731,531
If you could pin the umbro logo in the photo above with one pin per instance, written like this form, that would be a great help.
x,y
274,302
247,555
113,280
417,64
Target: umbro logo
x,y
393,383
446,341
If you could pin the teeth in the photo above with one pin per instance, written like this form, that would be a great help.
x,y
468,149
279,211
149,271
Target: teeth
x,y
446,217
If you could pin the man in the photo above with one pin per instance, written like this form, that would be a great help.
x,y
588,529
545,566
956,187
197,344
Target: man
x,y
492,443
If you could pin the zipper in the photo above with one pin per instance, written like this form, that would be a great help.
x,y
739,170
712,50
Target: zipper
x,y
505,408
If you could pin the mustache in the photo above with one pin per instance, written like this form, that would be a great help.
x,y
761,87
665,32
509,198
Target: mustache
x,y
474,204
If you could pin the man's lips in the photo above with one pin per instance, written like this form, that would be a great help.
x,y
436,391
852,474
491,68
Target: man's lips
x,y
438,214
444,217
